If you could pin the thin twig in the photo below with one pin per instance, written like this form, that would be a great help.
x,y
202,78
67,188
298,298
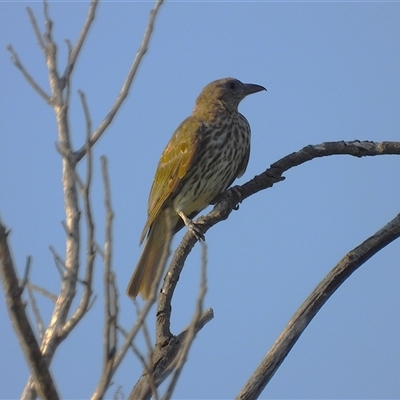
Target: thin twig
x,y
142,361
59,262
147,370
48,23
110,293
74,52
36,313
127,84
66,83
146,333
25,278
42,291
36,29
132,334
54,80
17,62
99,250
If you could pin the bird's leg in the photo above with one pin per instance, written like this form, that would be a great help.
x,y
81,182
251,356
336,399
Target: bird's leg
x,y
193,227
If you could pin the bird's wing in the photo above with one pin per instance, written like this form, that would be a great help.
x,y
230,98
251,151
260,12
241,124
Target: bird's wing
x,y
175,161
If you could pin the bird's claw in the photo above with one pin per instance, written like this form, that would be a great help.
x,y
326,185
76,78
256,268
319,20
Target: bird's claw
x,y
192,227
232,192
196,230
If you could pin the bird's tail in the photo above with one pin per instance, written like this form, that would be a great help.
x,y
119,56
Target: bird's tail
x,y
150,261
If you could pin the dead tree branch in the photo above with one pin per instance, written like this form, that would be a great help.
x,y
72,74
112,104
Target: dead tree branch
x,y
110,294
127,84
74,52
17,62
230,201
265,180
299,322
38,365
191,331
90,235
60,326
170,351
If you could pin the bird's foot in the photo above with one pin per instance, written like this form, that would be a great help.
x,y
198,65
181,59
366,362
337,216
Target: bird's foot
x,y
232,192
238,194
193,227
196,230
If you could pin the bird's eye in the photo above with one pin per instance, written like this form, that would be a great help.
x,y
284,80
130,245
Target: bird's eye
x,y
232,85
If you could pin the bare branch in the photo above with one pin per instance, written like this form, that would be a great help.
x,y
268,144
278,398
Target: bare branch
x,y
143,362
171,351
145,331
90,241
354,148
58,328
25,278
60,263
36,29
54,80
17,62
191,332
166,353
147,306
74,53
37,363
222,210
36,313
148,373
164,359
260,182
99,250
67,156
127,84
110,293
110,289
48,23
63,81
352,260
147,367
42,291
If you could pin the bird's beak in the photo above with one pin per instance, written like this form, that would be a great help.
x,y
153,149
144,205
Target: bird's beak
x,y
250,88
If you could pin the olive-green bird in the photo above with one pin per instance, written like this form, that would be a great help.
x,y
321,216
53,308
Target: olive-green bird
x,y
208,151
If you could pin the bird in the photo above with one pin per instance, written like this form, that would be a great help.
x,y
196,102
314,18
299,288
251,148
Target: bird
x,y
206,153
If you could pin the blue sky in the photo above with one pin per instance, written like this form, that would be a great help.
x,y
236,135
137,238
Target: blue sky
x,y
332,73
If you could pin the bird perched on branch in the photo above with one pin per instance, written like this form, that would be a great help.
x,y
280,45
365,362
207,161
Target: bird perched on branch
x,y
208,151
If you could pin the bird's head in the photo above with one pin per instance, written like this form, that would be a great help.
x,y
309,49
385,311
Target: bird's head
x,y
228,92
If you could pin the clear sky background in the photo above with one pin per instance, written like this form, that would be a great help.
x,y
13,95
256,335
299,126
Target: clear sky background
x,y
332,70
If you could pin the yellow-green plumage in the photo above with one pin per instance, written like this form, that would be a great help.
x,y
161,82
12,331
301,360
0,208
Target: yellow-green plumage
x,y
207,152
